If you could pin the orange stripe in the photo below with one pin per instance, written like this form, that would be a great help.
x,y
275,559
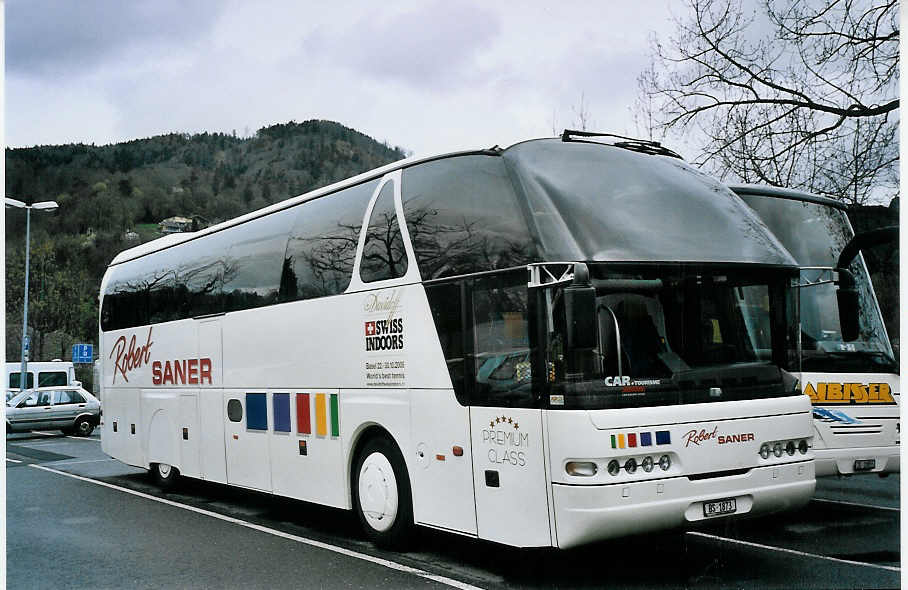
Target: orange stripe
x,y
620,441
321,415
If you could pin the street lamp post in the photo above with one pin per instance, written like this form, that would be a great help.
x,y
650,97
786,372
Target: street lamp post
x,y
42,206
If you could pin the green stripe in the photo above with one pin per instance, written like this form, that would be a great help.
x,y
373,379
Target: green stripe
x,y
613,441
335,416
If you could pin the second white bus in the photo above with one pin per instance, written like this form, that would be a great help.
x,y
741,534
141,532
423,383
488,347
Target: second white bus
x,y
852,380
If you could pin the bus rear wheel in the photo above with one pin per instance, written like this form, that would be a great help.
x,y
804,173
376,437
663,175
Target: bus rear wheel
x,y
381,494
164,475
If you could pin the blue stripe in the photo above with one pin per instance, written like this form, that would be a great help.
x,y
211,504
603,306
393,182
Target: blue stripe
x,y
281,403
663,437
256,411
646,439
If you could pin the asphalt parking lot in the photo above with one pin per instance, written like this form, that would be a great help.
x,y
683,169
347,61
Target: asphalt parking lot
x,y
105,525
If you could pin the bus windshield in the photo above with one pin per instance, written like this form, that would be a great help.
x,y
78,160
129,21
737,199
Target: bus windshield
x,y
815,235
673,334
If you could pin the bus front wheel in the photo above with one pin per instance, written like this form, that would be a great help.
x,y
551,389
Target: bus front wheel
x,y
381,494
164,475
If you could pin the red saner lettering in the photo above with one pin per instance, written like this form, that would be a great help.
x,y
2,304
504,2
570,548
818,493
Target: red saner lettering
x,y
205,370
156,373
193,371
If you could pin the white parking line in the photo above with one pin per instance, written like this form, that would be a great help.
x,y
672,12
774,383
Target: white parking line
x,y
312,542
856,504
13,460
784,550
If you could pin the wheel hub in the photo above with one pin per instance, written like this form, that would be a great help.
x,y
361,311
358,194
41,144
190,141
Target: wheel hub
x,y
378,495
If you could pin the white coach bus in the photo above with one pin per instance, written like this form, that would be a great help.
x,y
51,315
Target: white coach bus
x,y
543,345
847,368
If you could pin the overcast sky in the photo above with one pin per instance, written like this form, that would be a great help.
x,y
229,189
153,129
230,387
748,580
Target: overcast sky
x,y
430,76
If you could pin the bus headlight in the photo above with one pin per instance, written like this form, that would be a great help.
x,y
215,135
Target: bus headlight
x,y
614,467
802,447
647,464
665,462
581,468
765,450
777,449
790,447
630,465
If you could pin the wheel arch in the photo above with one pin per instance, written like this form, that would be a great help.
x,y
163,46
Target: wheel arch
x,y
361,436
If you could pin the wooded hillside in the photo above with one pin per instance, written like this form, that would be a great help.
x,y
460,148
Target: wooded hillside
x,y
104,192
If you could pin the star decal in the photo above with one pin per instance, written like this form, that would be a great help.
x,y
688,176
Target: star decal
x,y
491,424
516,426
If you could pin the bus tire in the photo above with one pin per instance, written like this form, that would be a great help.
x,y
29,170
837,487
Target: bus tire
x,y
164,475
381,493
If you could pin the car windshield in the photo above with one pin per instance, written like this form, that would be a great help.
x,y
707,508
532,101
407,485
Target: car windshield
x,y
815,235
673,334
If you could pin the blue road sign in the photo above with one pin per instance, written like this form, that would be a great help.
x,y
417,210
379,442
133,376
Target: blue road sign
x,y
83,353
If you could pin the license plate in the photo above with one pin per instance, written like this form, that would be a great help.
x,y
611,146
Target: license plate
x,y
719,507
864,464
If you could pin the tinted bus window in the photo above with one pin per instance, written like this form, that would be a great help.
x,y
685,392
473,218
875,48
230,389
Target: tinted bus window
x,y
255,260
384,256
322,247
463,216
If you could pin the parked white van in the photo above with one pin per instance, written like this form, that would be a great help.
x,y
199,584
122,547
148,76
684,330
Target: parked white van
x,y
55,373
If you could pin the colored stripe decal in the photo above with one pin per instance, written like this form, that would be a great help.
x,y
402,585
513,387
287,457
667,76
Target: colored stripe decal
x,y
614,444
620,441
303,417
663,437
321,423
256,411
646,439
632,439
281,405
335,416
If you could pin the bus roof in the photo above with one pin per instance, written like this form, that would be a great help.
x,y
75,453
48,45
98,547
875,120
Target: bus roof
x,y
594,204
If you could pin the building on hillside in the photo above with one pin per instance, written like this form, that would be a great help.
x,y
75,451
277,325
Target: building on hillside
x,y
174,225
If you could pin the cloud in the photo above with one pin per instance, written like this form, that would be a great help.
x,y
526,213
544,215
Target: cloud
x,y
429,45
62,38
429,76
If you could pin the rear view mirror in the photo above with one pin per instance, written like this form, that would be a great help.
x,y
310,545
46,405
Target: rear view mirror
x,y
849,306
580,310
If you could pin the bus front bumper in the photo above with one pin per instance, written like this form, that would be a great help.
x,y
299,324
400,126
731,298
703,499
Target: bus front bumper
x,y
584,514
844,461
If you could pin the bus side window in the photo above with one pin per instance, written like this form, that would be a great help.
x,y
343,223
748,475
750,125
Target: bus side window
x,y
463,216
501,347
235,410
446,303
384,256
322,247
